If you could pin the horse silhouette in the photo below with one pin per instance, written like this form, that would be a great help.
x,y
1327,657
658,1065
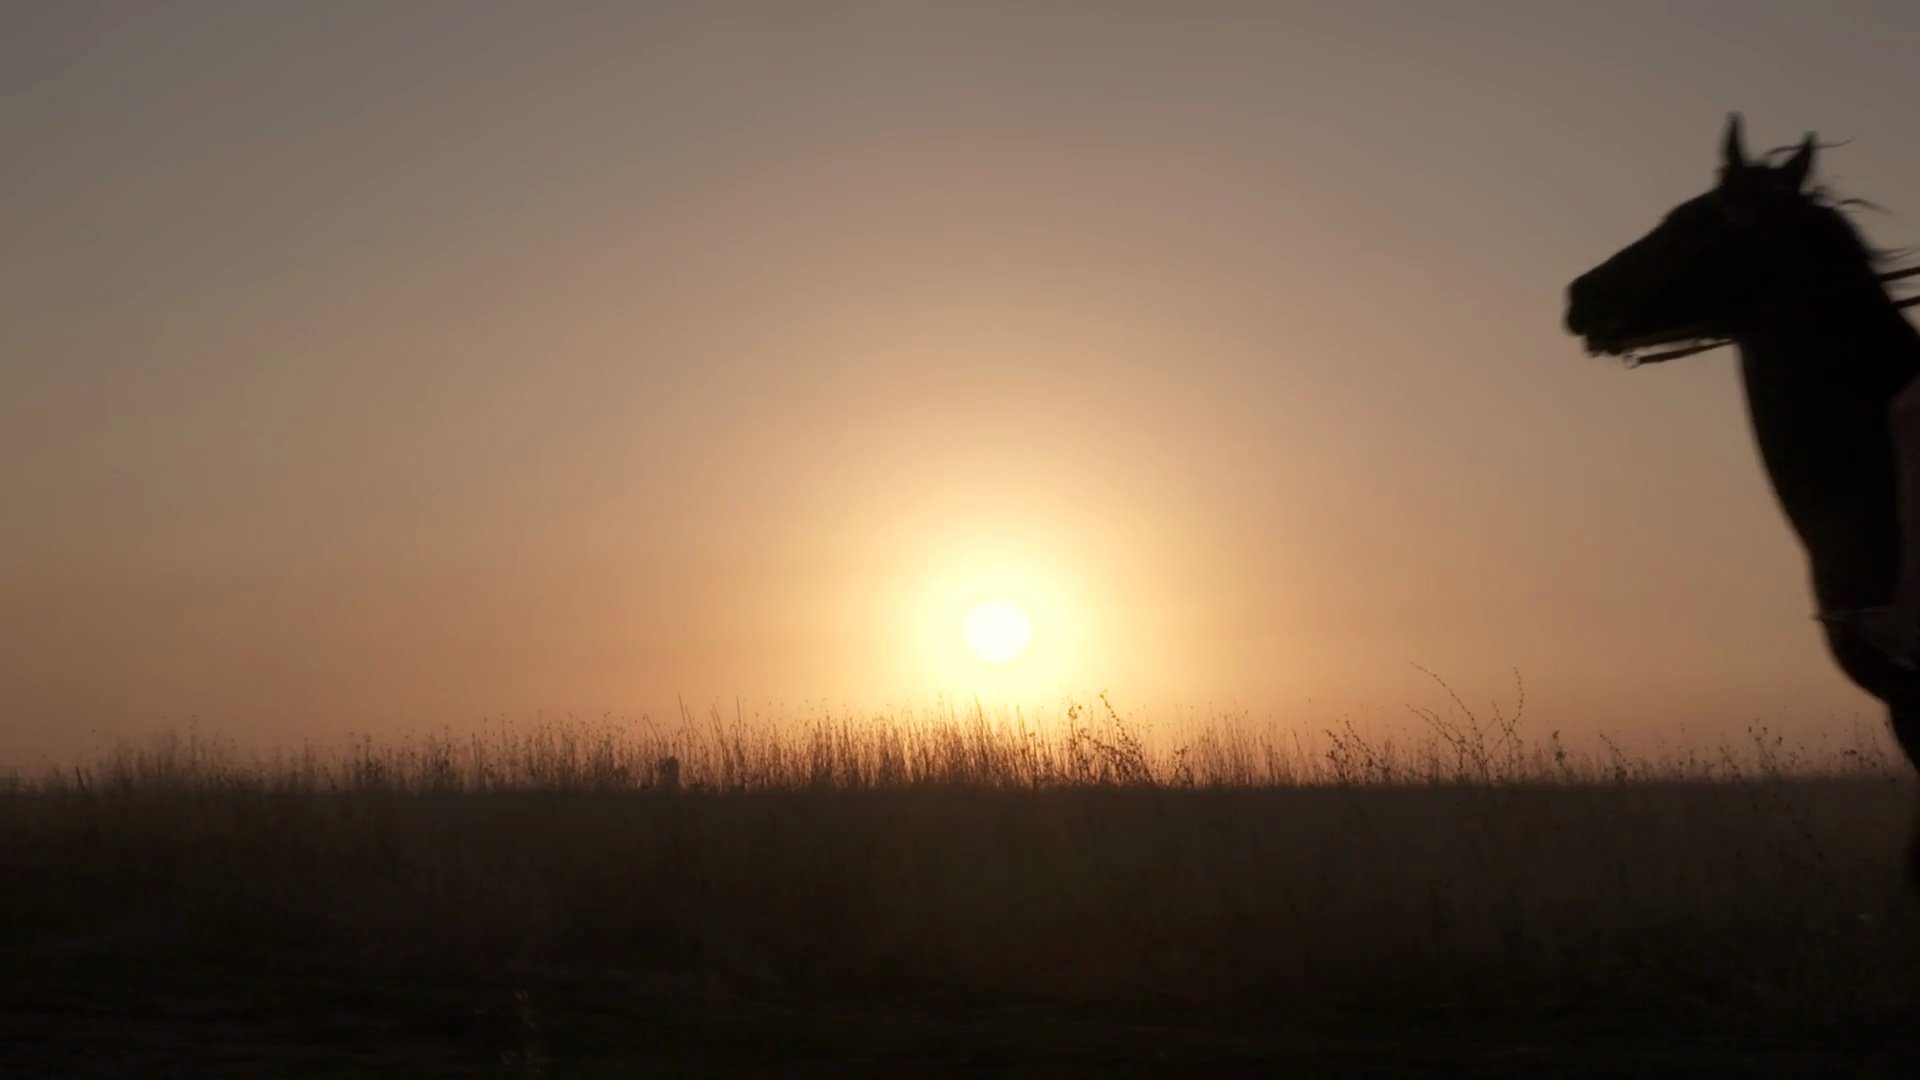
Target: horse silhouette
x,y
1772,266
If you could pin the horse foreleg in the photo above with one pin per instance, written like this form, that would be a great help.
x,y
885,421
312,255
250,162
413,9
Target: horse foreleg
x,y
1904,714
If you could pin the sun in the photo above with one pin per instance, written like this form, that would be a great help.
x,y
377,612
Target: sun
x,y
997,631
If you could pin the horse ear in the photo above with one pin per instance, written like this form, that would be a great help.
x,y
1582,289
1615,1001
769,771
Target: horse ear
x,y
1796,168
1733,154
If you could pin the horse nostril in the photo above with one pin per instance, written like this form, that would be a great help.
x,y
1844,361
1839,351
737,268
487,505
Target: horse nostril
x,y
1579,306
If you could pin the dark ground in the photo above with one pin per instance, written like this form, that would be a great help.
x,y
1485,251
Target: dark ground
x,y
1627,929
183,1021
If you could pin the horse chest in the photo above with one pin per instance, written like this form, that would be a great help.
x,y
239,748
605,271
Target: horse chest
x,y
1829,458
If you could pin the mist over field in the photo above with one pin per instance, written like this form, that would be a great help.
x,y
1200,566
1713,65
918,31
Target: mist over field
x,y
987,539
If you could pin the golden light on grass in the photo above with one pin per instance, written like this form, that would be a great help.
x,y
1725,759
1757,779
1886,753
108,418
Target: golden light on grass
x,y
997,631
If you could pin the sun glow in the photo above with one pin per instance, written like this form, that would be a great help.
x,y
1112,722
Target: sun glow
x,y
997,631
982,620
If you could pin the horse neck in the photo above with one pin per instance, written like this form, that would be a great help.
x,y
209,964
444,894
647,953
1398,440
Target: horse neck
x,y
1835,335
1820,368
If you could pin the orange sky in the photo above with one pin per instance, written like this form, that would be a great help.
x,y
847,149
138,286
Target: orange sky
x,y
367,367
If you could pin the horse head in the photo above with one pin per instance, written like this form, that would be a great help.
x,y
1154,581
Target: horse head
x,y
1710,263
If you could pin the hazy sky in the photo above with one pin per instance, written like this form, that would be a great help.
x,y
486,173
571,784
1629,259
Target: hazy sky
x,y
367,365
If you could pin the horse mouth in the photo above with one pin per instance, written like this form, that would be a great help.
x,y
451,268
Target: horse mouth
x,y
1600,346
1613,343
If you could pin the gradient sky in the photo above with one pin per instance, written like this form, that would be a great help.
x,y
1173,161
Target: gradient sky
x,y
368,366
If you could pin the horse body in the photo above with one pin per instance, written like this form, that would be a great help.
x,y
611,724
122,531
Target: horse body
x,y
1832,461
1759,263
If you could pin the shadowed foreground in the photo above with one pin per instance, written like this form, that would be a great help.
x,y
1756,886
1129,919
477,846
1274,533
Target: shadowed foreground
x,y
166,919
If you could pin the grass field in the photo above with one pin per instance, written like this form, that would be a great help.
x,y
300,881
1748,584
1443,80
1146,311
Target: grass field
x,y
962,895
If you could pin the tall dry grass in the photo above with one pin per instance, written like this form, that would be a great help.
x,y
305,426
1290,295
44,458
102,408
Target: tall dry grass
x,y
1083,744
968,856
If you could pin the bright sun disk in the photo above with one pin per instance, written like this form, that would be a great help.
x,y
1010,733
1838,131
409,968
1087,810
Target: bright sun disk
x,y
997,631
